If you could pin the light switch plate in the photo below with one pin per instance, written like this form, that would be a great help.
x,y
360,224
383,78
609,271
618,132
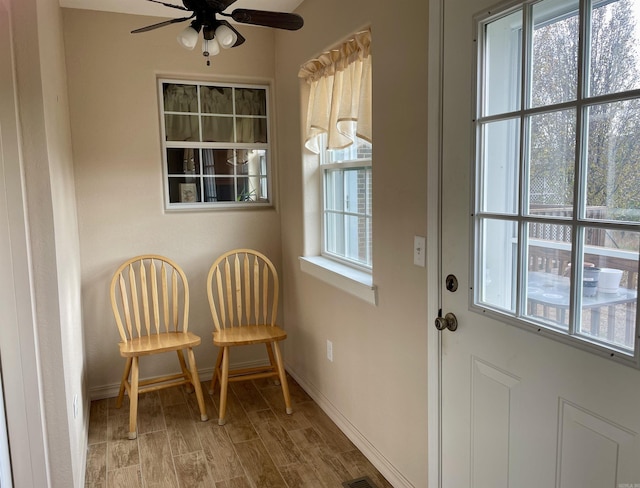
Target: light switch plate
x,y
419,251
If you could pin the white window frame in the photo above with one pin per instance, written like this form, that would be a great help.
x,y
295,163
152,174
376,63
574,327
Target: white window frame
x,y
327,166
264,178
522,218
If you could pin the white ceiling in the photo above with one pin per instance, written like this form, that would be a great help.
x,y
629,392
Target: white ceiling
x,y
144,7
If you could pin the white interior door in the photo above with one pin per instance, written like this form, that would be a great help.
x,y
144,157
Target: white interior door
x,y
518,408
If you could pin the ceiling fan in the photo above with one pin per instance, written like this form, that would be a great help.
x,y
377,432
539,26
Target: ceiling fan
x,y
218,33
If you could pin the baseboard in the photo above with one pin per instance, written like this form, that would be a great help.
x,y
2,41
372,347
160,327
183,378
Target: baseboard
x,y
374,456
205,374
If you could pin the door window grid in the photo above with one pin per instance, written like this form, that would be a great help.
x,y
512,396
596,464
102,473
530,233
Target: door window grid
x,y
526,247
215,144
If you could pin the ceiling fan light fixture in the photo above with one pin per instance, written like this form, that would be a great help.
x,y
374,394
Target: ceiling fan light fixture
x,y
226,37
210,47
188,38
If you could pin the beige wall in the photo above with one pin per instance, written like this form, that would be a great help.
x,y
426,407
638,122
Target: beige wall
x,y
377,383
118,167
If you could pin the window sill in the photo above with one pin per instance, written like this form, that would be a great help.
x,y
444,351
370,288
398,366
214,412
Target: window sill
x,y
350,280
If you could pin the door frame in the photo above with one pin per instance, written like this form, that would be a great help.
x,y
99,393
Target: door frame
x,y
434,239
18,337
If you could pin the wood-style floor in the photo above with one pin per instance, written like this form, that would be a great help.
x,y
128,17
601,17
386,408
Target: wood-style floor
x,y
260,446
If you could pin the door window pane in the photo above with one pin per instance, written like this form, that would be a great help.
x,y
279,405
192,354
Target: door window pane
x,y
610,286
563,170
614,58
498,240
552,159
503,38
613,171
500,163
555,52
548,278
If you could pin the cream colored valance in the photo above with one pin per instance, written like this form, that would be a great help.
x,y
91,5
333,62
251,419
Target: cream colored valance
x,y
340,94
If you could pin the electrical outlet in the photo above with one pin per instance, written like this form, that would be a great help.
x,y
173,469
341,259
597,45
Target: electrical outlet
x,y
75,406
330,350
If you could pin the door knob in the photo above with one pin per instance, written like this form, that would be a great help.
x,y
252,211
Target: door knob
x,y
449,321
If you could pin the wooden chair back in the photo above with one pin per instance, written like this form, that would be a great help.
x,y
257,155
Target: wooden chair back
x,y
242,287
149,295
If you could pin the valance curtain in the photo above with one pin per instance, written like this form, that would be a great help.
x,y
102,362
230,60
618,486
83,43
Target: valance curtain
x,y
340,94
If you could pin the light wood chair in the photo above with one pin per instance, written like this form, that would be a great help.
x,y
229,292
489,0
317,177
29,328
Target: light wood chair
x,y
242,287
150,301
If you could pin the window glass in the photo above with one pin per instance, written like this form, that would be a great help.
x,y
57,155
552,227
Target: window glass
x,y
348,203
547,287
614,58
214,156
609,286
555,52
613,162
566,260
552,159
499,166
502,67
498,240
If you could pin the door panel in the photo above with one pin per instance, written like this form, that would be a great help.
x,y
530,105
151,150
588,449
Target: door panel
x,y
518,409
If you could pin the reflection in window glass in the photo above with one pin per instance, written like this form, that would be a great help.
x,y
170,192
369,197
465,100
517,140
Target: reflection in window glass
x,y
217,129
216,100
215,144
180,98
250,101
182,128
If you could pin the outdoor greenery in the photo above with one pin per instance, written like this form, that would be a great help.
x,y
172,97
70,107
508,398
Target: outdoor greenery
x,y
612,128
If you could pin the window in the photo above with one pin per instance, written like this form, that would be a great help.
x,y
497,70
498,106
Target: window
x,y
557,171
339,131
346,185
215,141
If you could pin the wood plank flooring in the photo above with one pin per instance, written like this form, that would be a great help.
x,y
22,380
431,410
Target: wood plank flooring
x,y
259,447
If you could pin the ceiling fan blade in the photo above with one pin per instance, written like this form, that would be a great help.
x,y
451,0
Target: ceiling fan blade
x,y
279,20
179,7
161,24
239,39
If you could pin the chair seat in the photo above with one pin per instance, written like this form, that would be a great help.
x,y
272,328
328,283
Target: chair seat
x,y
155,343
248,334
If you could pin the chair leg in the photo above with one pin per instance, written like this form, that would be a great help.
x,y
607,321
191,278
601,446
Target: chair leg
x,y
216,372
196,385
224,382
125,379
133,400
272,360
185,371
283,378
